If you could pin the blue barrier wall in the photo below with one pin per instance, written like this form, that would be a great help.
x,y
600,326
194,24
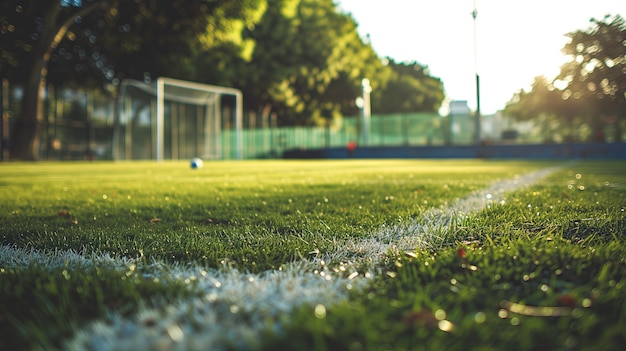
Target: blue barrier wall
x,y
530,151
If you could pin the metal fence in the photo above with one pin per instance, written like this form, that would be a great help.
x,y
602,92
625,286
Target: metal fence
x,y
76,125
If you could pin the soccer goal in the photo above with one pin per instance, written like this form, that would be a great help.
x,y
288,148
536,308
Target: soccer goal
x,y
175,119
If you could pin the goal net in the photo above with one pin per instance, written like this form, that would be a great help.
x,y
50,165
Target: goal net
x,y
173,119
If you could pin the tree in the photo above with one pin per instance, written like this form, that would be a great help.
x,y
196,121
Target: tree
x,y
97,42
409,89
595,73
546,105
47,25
590,88
308,63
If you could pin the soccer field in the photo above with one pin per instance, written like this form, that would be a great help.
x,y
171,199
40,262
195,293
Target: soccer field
x,y
341,255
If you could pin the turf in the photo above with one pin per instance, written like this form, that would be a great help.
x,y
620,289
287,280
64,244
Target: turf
x,y
255,215
558,244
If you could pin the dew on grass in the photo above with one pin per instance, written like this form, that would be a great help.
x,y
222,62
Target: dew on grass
x,y
480,317
175,332
502,313
440,314
489,196
320,311
446,326
515,321
211,297
578,175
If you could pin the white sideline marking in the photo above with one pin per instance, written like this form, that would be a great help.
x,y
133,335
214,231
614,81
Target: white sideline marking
x,y
238,306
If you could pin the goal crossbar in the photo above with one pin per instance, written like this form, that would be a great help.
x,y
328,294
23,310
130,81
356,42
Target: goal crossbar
x,y
160,109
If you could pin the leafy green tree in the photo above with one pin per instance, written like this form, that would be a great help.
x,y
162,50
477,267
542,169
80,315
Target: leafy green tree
x,y
545,105
410,88
308,63
590,88
595,75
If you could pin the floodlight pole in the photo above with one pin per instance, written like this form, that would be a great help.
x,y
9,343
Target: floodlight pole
x,y
366,111
477,116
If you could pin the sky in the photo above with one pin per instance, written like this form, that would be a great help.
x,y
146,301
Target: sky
x,y
515,40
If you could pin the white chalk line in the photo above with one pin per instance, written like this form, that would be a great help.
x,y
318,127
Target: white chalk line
x,y
237,307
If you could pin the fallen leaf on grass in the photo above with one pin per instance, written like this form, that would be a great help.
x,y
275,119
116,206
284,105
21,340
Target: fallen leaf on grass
x,y
566,300
460,252
154,220
420,319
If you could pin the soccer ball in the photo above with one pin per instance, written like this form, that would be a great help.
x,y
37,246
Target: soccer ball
x,y
196,163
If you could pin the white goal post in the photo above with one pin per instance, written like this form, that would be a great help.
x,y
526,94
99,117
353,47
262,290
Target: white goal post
x,y
155,120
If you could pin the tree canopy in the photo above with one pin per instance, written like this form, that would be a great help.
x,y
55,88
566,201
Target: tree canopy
x,y
308,62
411,88
591,87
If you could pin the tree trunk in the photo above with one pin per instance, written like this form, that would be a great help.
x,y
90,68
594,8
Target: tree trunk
x,y
24,142
25,137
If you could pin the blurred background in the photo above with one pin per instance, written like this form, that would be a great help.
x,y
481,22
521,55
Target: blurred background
x,y
80,81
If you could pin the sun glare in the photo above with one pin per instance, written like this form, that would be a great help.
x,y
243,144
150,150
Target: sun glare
x,y
516,41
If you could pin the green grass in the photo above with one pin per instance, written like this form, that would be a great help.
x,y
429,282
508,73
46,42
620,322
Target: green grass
x,y
544,271
257,215
557,244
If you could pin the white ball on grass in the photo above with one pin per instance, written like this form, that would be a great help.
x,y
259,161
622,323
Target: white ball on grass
x,y
196,163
